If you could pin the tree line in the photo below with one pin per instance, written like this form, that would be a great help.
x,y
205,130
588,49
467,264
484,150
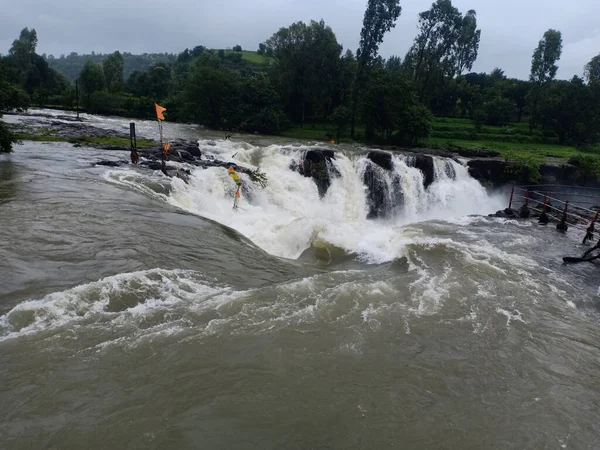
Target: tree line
x,y
307,77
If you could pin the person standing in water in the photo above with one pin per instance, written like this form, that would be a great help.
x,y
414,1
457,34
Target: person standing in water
x,y
236,178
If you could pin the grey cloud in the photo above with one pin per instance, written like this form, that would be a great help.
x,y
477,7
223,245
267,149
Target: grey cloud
x,y
510,29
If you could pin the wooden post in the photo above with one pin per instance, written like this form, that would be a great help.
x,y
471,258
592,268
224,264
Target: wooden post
x,y
135,157
512,193
562,225
77,97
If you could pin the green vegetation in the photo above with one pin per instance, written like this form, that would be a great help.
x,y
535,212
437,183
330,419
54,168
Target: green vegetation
x,y
300,83
251,57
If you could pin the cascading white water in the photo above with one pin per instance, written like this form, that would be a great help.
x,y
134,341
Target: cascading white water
x,y
288,215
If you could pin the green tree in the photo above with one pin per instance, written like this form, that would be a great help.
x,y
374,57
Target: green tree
x,y
12,97
113,72
499,111
392,106
447,44
380,17
543,68
306,69
394,63
210,94
467,44
260,108
517,91
91,79
592,70
340,119
572,111
545,57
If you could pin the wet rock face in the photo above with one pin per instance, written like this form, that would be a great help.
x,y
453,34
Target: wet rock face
x,y
382,159
315,165
384,191
425,164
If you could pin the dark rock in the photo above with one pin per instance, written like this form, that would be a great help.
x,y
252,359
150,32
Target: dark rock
x,y
560,174
524,212
111,163
194,151
491,170
315,165
383,196
425,164
382,159
507,214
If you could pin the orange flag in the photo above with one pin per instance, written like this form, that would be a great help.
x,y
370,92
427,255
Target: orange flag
x,y
159,111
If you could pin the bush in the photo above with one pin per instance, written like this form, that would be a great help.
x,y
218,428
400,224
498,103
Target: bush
x,y
499,111
417,124
588,166
523,166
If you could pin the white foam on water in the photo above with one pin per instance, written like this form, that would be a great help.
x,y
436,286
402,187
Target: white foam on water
x,y
288,215
511,316
114,301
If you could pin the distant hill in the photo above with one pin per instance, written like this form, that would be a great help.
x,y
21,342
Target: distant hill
x,y
71,65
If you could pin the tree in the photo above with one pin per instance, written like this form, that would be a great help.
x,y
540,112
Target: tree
x,y
23,49
545,57
447,44
91,79
237,48
306,68
260,107
544,68
340,119
394,63
498,111
11,98
392,106
262,48
113,72
592,70
467,44
572,111
210,94
380,17
517,91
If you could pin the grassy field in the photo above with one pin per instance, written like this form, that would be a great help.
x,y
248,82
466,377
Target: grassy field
x,y
252,57
506,148
448,133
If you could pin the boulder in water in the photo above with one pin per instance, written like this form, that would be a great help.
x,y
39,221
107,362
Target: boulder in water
x,y
314,165
384,190
382,159
425,164
111,163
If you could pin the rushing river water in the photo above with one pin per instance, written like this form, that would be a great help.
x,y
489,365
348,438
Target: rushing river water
x,y
137,311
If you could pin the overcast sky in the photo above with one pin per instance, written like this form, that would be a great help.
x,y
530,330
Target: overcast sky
x,y
511,29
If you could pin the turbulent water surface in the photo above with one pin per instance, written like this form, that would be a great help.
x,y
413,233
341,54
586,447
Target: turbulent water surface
x,y
137,311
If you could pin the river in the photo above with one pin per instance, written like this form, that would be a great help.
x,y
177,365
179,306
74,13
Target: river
x,y
138,311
